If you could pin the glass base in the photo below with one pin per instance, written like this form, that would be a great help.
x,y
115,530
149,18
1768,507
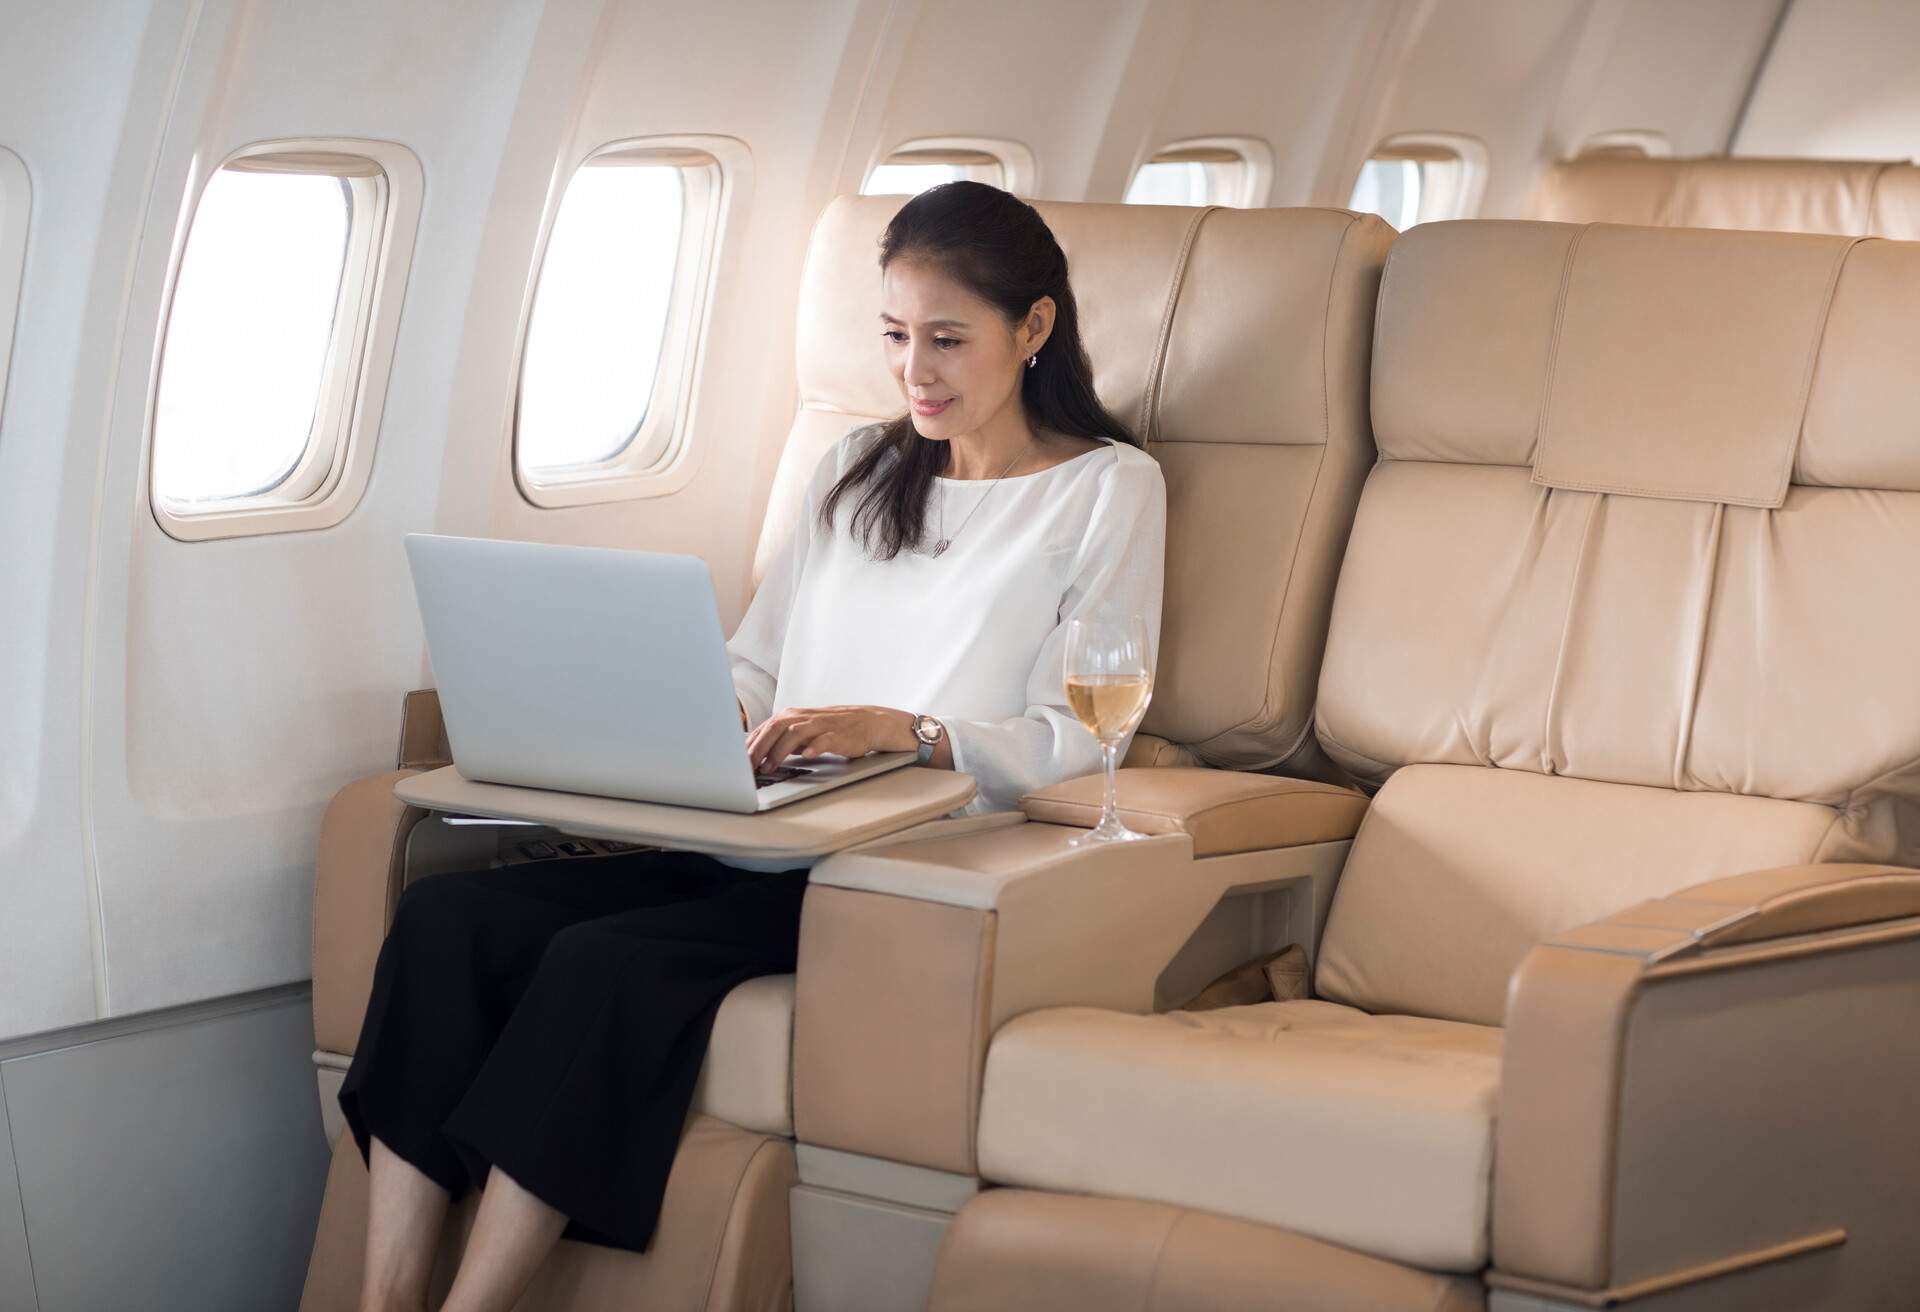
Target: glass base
x,y
1107,831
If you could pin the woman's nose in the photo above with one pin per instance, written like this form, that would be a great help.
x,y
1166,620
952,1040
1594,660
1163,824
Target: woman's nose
x,y
917,369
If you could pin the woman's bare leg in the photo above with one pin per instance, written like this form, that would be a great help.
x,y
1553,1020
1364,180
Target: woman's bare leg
x,y
405,1210
512,1235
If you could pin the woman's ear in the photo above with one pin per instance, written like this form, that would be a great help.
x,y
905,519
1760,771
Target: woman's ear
x,y
1037,326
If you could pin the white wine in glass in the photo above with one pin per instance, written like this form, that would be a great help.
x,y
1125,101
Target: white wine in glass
x,y
1109,683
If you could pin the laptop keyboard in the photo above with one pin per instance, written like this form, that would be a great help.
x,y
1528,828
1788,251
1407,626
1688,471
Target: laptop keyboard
x,y
780,775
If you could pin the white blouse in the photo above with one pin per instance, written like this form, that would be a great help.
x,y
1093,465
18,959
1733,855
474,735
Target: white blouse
x,y
975,637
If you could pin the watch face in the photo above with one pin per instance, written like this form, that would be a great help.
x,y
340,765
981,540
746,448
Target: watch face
x,y
927,729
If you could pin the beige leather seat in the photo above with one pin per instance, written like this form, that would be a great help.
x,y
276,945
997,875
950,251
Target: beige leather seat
x,y
1624,630
1237,340
1263,448
1845,197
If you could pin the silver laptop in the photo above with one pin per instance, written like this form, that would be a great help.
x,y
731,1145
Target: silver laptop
x,y
596,671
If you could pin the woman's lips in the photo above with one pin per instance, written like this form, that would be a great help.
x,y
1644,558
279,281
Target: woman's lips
x,y
930,407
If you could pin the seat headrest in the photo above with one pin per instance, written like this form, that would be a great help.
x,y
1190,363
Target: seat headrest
x,y
1237,343
1679,363
1848,198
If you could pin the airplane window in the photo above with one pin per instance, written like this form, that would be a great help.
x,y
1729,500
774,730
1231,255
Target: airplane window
x,y
1166,182
606,363
1232,171
917,165
247,338
278,333
1391,189
904,179
600,316
1422,177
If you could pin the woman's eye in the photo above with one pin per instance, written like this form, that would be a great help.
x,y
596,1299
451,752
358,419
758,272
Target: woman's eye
x,y
895,336
946,343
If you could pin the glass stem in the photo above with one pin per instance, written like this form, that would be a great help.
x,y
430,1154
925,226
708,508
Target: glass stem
x,y
1110,812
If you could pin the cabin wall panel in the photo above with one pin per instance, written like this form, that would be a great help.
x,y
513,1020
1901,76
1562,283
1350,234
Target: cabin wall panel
x,y
1043,75
16,1264
179,1166
88,157
786,81
239,682
1840,84
1682,70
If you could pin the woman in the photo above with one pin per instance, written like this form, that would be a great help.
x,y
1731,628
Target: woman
x,y
539,1029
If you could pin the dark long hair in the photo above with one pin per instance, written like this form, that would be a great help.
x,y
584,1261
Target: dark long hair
x,y
999,248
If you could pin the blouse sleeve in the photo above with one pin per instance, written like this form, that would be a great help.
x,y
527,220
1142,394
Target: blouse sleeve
x,y
754,650
1118,569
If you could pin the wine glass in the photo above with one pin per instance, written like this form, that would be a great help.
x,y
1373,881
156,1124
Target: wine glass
x,y
1109,682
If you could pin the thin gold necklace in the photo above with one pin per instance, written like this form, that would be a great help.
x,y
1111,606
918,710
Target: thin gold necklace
x,y
943,542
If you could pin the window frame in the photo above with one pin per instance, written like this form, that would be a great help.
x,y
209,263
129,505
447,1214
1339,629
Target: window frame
x,y
16,215
1463,186
1627,143
716,172
1252,160
385,183
1019,173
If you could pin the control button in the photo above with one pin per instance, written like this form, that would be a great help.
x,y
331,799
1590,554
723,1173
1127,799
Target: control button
x,y
615,845
573,847
537,850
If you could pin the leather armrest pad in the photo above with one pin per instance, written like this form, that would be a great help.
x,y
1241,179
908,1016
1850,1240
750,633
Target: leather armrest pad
x,y
1223,811
1754,907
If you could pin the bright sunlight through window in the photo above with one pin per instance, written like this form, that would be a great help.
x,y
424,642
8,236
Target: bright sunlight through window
x,y
1391,189
1421,177
930,161
600,317
1170,184
1235,171
247,342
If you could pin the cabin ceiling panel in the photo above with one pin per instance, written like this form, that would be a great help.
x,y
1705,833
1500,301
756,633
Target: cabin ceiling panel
x,y
1274,71
239,682
1678,69
87,157
1045,75
1840,83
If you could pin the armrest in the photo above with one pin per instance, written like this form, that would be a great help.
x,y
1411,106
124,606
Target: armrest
x,y
1222,811
914,950
1703,1086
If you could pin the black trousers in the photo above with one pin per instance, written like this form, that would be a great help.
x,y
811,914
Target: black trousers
x,y
551,1019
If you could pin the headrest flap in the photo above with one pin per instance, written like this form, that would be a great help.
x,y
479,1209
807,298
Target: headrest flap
x,y
1681,361
1658,362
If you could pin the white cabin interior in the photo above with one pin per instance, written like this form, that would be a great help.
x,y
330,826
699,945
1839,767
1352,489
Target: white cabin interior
x,y
200,647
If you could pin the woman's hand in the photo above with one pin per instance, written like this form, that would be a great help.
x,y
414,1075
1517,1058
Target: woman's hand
x,y
811,731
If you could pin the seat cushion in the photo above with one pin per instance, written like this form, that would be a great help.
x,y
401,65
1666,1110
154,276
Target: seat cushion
x,y
1372,1132
747,1079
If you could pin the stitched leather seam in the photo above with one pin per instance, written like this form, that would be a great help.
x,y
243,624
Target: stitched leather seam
x,y
1566,627
978,1038
1156,367
1553,351
733,1194
1159,1259
1697,660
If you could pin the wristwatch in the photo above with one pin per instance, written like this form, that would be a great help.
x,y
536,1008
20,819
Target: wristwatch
x,y
929,731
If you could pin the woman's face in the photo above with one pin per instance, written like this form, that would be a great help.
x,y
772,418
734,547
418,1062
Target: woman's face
x,y
954,355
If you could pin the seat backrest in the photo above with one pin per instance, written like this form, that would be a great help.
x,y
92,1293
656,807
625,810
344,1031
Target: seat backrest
x,y
1849,198
1627,604
1237,342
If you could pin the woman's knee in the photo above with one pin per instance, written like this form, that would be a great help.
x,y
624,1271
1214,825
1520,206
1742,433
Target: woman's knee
x,y
434,903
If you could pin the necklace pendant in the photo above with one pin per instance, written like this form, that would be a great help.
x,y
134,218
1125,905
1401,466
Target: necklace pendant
x,y
940,547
